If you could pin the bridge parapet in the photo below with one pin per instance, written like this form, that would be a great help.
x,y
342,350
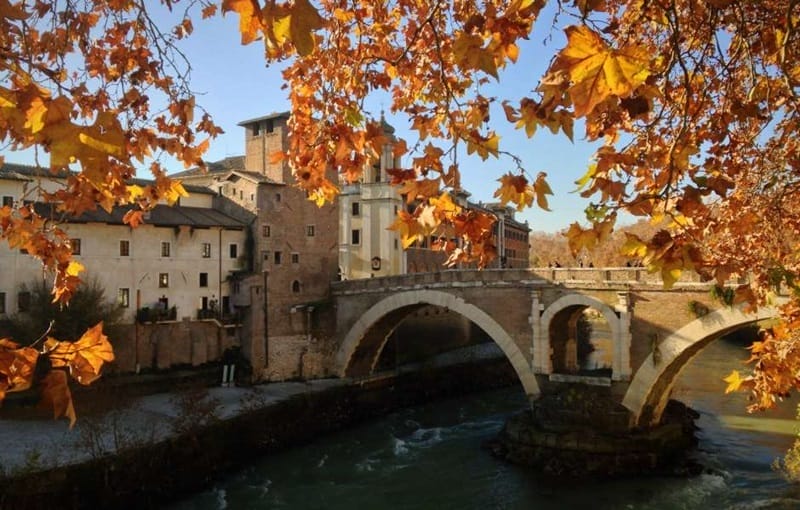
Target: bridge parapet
x,y
613,276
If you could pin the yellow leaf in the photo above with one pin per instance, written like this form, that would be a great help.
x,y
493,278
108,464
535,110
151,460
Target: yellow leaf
x,y
670,275
579,238
35,115
175,192
304,21
598,71
633,246
74,268
587,176
408,227
484,146
734,381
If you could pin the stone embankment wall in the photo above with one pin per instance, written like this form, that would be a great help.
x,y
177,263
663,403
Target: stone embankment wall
x,y
169,344
155,474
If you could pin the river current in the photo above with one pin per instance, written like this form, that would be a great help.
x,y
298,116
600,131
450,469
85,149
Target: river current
x,y
430,457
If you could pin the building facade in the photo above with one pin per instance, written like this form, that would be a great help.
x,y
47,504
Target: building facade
x,y
179,260
367,248
293,250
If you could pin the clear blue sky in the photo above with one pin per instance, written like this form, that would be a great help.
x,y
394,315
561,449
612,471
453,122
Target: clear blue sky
x,y
234,84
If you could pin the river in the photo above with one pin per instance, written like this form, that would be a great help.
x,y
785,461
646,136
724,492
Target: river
x,y
430,457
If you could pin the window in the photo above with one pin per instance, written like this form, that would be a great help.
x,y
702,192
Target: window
x,y
295,286
256,129
75,244
265,255
24,301
265,231
124,248
295,258
355,236
2,302
163,280
204,279
277,257
395,244
9,201
277,197
206,250
165,248
356,209
310,230
252,197
270,125
124,298
233,250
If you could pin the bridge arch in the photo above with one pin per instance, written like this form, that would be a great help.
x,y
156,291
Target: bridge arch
x,y
570,303
651,386
364,341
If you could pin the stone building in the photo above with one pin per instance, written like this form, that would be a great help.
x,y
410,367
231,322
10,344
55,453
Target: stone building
x,y
293,250
179,259
367,248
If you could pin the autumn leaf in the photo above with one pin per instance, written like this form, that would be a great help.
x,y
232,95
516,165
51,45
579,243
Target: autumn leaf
x,y
16,367
85,357
579,238
408,227
735,381
598,71
515,189
57,396
15,11
249,17
633,247
304,21
133,218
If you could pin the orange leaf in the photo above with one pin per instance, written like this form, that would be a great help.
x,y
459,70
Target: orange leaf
x,y
16,366
250,23
84,358
56,395
598,71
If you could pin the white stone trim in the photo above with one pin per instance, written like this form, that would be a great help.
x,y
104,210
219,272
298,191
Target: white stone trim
x,y
445,300
545,363
649,373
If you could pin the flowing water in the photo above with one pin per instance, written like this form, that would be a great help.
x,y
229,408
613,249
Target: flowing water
x,y
430,457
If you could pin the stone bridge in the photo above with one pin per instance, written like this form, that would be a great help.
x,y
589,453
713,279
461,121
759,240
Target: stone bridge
x,y
532,315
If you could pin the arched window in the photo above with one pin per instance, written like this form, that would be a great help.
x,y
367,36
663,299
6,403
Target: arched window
x,y
296,286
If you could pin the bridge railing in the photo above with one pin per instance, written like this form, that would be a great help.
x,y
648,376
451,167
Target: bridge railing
x,y
510,276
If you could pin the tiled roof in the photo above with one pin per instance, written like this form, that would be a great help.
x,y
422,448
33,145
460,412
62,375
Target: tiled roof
x,y
273,115
17,172
216,167
160,216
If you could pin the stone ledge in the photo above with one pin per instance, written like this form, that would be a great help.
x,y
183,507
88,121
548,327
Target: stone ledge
x,y
584,379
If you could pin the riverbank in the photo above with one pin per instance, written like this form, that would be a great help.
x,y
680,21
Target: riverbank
x,y
153,449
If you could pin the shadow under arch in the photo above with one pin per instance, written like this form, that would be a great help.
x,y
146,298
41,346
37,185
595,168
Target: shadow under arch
x,y
364,341
571,302
649,391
